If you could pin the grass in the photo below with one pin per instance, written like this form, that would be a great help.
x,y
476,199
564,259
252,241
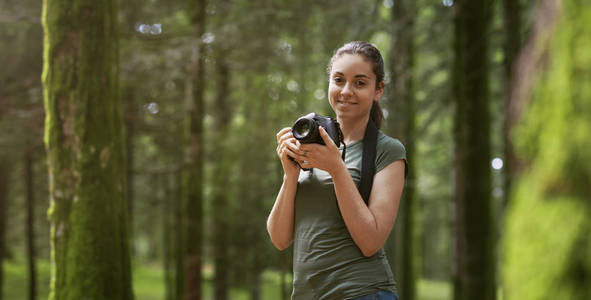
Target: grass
x,y
16,281
433,290
148,284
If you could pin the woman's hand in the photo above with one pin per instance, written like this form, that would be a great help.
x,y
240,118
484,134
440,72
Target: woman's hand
x,y
287,146
325,157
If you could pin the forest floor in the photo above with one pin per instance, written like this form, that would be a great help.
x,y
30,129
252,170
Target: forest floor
x,y
148,283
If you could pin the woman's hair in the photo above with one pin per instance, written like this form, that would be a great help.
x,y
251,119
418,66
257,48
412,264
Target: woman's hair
x,y
370,53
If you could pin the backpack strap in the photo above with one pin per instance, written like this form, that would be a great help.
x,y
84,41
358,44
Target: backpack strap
x,y
368,167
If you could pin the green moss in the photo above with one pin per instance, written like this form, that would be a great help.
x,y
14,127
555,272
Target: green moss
x,y
548,229
84,143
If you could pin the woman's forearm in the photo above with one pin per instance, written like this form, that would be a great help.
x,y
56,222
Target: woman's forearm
x,y
281,219
358,218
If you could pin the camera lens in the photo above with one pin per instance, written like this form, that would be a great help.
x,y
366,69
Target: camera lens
x,y
304,130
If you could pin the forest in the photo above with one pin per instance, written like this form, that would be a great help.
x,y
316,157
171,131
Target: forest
x,y
137,145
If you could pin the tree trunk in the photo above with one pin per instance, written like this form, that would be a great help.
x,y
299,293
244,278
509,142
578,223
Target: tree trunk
x,y
130,119
549,212
401,124
458,269
193,187
284,265
85,146
168,238
3,207
29,179
221,173
255,289
476,265
178,250
257,263
512,26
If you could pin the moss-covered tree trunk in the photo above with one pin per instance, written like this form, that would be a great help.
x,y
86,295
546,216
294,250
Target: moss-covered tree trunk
x,y
401,124
193,182
548,223
85,147
476,273
512,29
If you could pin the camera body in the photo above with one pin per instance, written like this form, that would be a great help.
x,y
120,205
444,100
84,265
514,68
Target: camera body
x,y
305,129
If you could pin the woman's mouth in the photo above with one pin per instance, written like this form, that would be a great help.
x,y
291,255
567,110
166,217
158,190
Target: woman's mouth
x,y
346,102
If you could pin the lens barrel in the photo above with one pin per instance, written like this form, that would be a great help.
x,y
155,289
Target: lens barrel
x,y
305,130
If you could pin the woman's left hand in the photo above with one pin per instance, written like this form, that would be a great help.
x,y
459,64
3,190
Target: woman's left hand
x,y
325,157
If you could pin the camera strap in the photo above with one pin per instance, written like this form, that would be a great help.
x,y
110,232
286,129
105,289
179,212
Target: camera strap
x,y
368,167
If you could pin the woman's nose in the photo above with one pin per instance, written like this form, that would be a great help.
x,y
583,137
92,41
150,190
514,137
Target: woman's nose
x,y
347,89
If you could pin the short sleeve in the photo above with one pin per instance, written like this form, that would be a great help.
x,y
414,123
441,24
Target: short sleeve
x,y
389,150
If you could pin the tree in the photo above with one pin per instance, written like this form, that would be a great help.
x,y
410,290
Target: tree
x,y
85,147
402,125
475,234
193,188
548,216
221,175
3,207
31,253
512,28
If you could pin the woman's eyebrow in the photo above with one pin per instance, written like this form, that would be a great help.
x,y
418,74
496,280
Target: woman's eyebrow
x,y
356,76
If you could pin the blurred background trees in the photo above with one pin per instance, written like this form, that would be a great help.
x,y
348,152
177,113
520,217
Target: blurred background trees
x,y
205,85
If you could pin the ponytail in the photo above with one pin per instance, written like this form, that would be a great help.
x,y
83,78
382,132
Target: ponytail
x,y
376,114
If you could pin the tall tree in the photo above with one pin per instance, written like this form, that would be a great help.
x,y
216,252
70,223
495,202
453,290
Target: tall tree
x,y
401,124
221,175
170,240
193,188
549,211
30,223
85,147
130,118
512,11
3,207
475,234
222,111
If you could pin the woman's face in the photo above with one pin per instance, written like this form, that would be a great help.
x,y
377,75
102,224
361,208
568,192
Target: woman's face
x,y
352,88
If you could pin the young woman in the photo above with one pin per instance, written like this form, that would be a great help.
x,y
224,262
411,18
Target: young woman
x,y
338,238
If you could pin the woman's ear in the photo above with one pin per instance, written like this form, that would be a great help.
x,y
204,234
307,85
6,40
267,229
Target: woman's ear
x,y
379,91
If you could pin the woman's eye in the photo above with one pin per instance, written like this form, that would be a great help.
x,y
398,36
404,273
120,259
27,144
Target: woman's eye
x,y
338,79
360,83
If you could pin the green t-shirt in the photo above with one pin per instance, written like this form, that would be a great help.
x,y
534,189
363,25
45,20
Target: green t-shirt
x,y
327,264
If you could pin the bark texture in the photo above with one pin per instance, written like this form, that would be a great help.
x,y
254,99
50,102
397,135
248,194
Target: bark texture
x,y
3,207
84,142
193,182
401,125
31,253
512,28
222,174
475,236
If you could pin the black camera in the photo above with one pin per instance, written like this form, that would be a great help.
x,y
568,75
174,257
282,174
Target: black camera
x,y
305,129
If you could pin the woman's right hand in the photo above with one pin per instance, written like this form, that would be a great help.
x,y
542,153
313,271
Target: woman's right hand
x,y
286,145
